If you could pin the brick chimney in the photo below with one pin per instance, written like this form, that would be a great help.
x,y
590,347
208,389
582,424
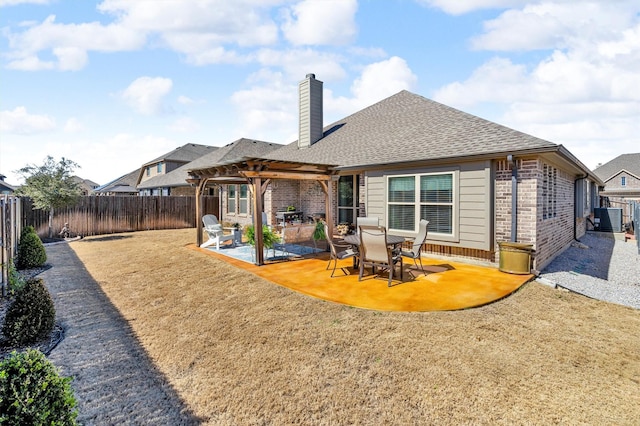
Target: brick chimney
x,y
310,104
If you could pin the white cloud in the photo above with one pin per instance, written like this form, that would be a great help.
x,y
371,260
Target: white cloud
x,y
583,93
4,3
297,63
73,125
268,107
457,7
376,82
69,43
185,100
184,125
145,94
123,152
320,22
552,25
202,29
20,122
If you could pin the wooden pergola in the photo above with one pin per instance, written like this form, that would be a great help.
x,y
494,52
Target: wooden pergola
x,y
258,173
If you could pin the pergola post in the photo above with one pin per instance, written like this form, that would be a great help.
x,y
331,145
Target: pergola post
x,y
327,188
257,219
199,188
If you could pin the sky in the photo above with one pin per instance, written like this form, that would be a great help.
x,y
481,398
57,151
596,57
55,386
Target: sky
x,y
114,84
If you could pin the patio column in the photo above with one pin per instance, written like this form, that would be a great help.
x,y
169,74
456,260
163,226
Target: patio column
x,y
327,187
199,187
257,219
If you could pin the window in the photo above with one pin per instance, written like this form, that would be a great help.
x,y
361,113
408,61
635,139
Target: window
x,y
623,181
549,191
428,196
238,199
148,171
231,198
243,199
159,169
347,199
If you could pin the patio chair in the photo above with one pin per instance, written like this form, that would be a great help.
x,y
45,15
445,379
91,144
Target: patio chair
x,y
366,221
215,232
375,251
337,255
416,249
282,244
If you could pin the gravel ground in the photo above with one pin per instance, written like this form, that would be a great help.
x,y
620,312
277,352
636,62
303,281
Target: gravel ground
x,y
598,267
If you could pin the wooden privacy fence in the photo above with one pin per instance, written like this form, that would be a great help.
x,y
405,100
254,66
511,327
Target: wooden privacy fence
x,y
108,215
10,228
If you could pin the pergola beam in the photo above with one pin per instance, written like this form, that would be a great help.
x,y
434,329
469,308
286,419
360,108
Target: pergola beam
x,y
286,175
259,173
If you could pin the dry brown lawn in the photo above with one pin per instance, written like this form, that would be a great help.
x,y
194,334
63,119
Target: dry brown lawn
x,y
241,350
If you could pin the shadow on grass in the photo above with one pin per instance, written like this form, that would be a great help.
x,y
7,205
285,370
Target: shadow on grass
x,y
105,238
114,380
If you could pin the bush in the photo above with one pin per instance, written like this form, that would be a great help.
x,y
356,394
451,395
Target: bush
x,y
31,252
269,238
16,282
33,393
31,316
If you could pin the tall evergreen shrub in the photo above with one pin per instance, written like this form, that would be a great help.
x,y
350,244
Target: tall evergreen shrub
x,y
31,316
31,252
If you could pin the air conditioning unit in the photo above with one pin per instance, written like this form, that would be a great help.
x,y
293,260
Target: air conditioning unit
x,y
610,219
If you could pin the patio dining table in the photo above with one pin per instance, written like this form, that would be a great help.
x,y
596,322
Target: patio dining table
x,y
354,241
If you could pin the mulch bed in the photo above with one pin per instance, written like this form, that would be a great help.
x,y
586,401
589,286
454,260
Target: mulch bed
x,y
44,345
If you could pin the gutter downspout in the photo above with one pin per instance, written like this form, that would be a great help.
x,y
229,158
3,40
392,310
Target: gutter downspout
x,y
514,199
575,199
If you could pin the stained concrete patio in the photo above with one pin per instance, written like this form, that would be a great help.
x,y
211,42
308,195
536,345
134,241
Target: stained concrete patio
x,y
446,285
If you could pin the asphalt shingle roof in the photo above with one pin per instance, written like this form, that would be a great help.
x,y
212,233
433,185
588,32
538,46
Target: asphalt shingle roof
x,y
408,127
628,162
184,153
125,183
230,153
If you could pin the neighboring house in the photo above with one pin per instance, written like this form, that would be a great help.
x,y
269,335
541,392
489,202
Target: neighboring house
x,y
406,158
234,195
175,182
86,186
621,177
124,185
5,188
166,164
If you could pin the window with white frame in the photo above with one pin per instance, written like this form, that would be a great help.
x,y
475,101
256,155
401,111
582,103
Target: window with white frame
x,y
238,199
425,196
159,168
623,181
243,199
231,198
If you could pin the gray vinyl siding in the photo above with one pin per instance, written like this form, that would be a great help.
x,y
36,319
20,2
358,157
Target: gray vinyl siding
x,y
310,107
474,202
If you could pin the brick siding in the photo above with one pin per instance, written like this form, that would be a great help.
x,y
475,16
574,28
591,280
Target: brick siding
x,y
550,233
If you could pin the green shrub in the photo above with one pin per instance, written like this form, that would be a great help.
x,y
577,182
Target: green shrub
x,y
33,393
16,282
269,238
31,316
31,252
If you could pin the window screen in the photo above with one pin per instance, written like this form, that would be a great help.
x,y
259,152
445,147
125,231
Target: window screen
x,y
231,199
430,197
